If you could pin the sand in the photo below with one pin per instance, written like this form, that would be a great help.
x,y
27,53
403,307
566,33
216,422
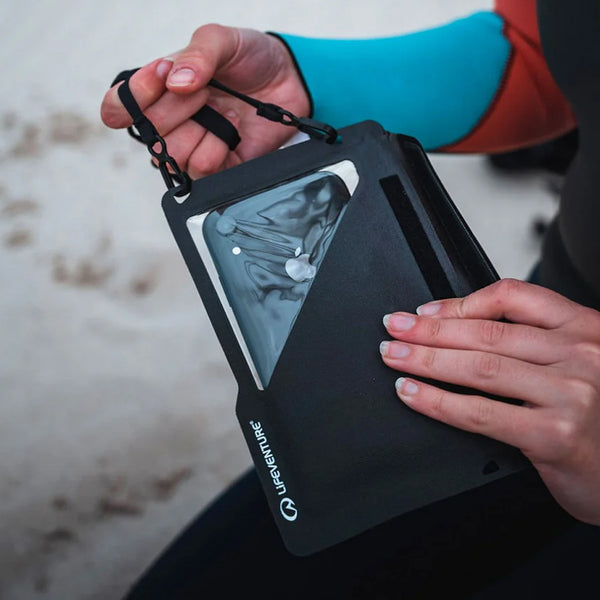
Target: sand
x,y
116,403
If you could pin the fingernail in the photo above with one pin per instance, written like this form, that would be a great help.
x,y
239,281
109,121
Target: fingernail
x,y
231,114
182,77
394,349
429,309
406,387
399,321
163,68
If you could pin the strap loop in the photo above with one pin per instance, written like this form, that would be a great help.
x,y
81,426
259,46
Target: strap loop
x,y
144,131
216,123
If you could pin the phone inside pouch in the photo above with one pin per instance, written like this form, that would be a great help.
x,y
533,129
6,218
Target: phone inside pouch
x,y
262,253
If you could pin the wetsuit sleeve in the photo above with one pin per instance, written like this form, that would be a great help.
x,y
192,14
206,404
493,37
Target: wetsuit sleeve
x,y
476,84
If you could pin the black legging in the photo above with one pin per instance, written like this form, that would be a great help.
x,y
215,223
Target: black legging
x,y
508,539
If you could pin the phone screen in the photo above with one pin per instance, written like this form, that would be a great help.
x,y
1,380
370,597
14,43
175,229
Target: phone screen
x,y
264,251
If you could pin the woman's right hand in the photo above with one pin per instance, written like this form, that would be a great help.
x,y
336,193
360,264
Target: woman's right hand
x,y
170,90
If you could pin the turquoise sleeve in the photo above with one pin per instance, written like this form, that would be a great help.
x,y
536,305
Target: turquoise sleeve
x,y
434,84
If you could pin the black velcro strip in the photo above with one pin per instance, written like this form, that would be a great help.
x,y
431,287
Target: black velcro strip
x,y
417,239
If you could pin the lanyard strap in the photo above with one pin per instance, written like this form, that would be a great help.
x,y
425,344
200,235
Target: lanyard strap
x,y
145,132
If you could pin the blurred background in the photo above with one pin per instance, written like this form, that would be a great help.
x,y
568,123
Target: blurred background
x,y
117,420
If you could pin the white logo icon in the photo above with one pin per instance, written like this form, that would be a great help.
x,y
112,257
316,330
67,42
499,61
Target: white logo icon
x,y
288,509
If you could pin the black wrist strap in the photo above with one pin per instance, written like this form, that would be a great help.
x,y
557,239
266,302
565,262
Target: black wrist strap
x,y
272,112
145,132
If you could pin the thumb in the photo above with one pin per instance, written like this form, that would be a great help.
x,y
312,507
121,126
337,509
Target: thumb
x,y
211,48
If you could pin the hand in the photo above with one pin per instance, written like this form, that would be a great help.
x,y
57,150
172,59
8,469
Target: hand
x,y
547,355
172,89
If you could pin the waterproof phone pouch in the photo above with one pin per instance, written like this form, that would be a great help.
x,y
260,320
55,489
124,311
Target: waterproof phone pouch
x,y
297,255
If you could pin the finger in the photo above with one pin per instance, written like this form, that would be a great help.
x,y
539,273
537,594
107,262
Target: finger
x,y
523,342
482,371
207,157
182,141
509,299
165,110
147,86
211,153
514,425
211,48
171,110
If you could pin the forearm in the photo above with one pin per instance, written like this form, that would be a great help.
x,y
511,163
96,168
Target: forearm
x,y
477,84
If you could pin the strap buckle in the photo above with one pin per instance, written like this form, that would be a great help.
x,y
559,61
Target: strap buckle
x,y
173,177
314,129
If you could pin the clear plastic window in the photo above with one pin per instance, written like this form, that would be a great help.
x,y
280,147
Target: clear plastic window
x,y
263,253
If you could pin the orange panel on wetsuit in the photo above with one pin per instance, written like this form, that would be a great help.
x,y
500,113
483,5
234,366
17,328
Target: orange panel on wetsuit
x,y
529,107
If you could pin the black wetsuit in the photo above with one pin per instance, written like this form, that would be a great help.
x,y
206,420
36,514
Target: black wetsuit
x,y
571,256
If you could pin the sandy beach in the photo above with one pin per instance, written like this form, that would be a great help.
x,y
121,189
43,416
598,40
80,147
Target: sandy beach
x,y
117,420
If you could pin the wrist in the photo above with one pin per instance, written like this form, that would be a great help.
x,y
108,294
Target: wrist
x,y
292,70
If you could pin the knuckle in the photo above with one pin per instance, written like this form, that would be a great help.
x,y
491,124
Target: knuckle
x,y
213,28
158,116
565,435
492,332
208,29
504,289
487,366
584,396
429,358
202,164
438,405
480,415
461,307
433,328
589,353
141,87
508,286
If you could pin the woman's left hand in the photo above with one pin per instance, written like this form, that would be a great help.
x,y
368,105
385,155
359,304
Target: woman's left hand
x,y
547,355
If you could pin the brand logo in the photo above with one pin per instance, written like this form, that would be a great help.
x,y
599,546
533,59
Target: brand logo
x,y
288,509
287,506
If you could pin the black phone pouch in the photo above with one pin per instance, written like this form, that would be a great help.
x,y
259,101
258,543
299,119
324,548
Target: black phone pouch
x,y
297,256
